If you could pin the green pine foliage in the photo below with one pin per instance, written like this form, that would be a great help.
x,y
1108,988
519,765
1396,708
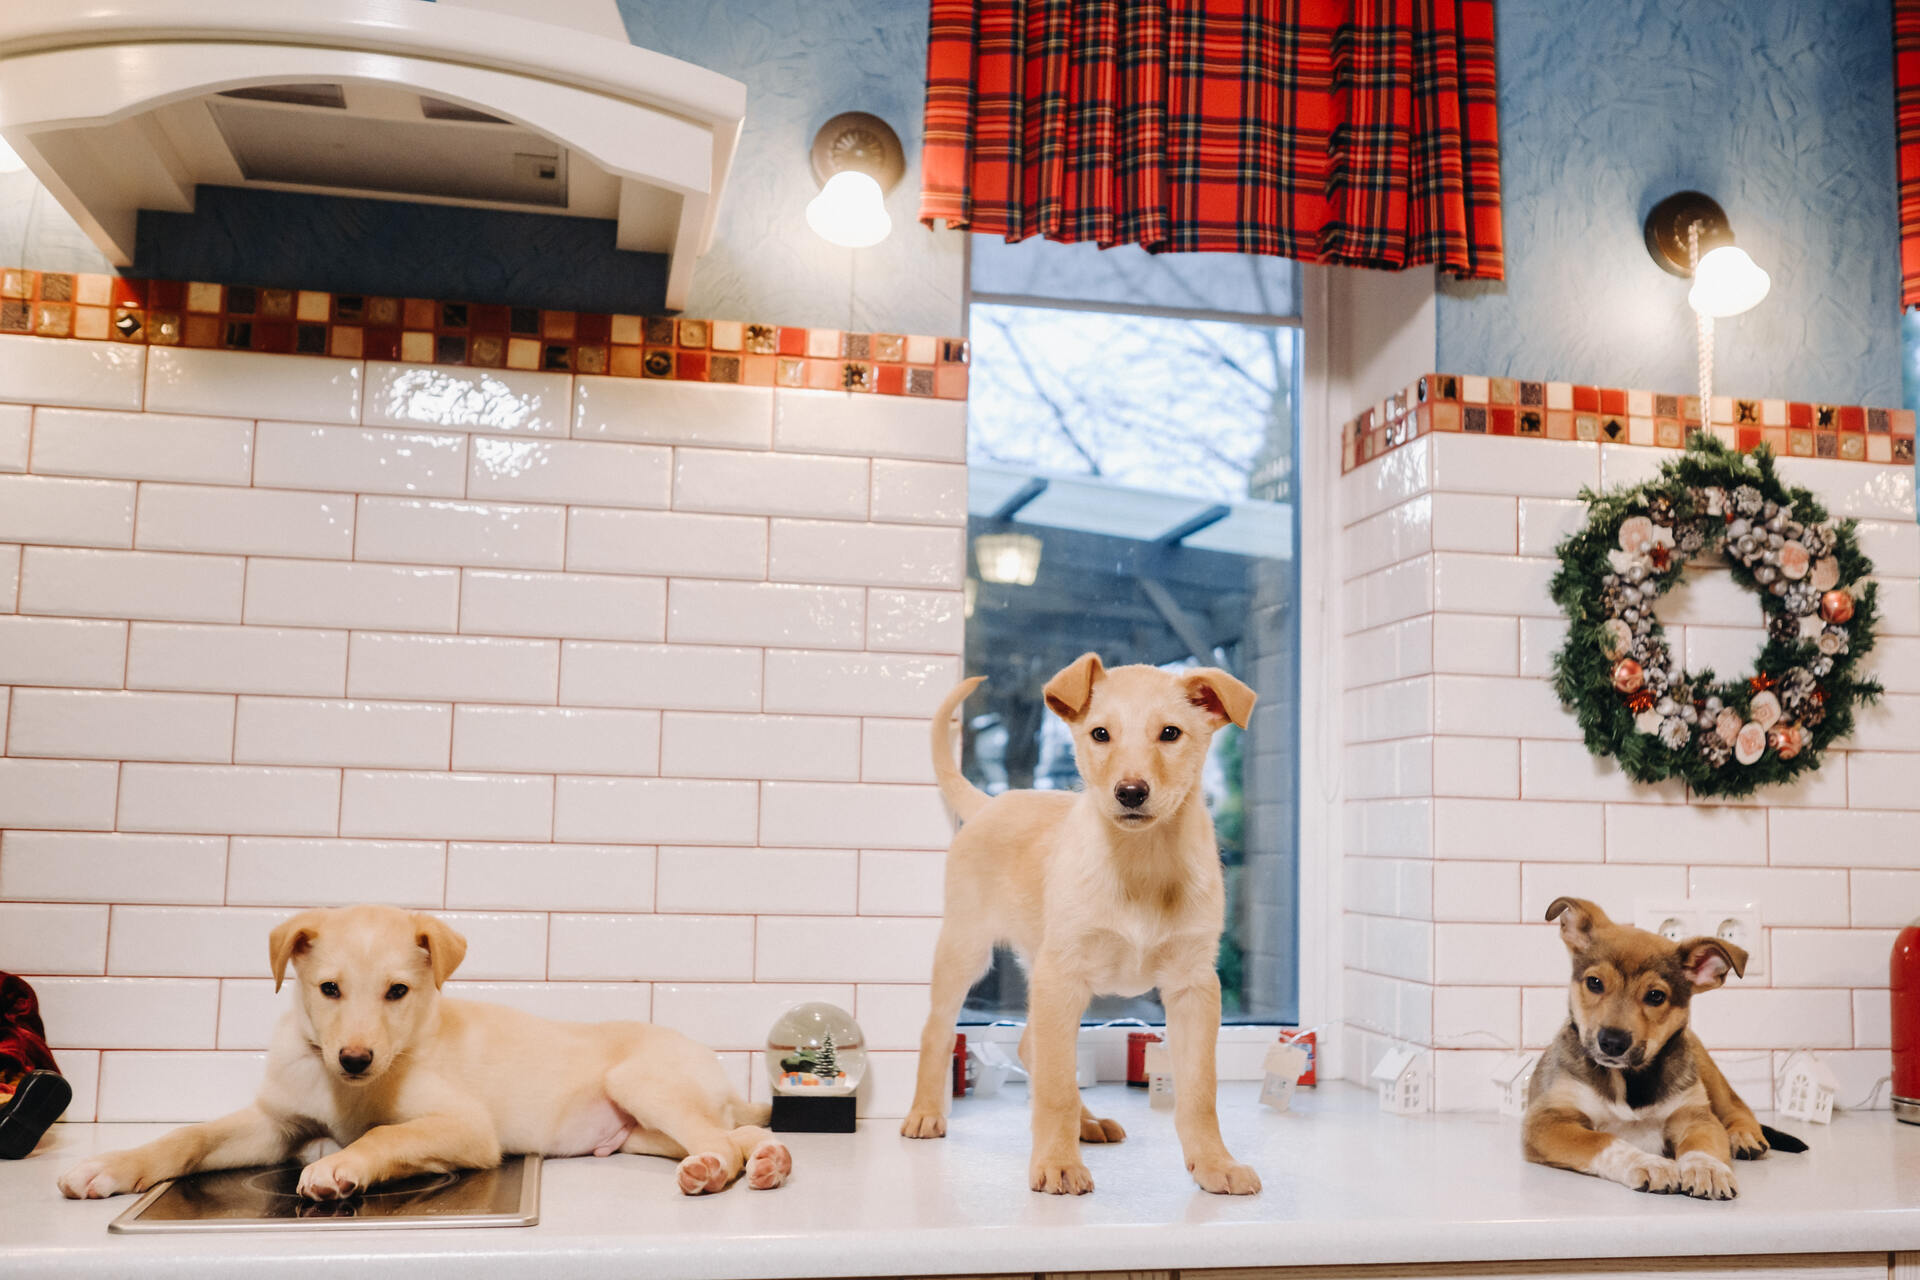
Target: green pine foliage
x,y
1583,674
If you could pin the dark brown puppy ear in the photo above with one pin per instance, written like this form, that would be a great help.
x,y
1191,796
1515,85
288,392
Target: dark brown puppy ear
x,y
445,949
1578,919
290,938
1069,691
1707,961
1220,695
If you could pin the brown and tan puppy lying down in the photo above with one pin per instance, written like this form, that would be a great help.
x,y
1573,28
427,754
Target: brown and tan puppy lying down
x,y
1113,890
409,1081
1627,1091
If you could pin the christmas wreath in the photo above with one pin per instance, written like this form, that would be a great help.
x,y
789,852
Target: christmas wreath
x,y
1616,673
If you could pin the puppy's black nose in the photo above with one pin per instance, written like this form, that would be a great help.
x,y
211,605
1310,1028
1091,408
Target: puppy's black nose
x,y
1613,1041
1131,792
354,1061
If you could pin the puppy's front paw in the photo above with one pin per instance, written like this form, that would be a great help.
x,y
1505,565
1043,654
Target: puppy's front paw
x,y
1747,1141
769,1165
703,1174
1706,1177
335,1177
1059,1177
1656,1174
923,1122
102,1176
1096,1130
1225,1178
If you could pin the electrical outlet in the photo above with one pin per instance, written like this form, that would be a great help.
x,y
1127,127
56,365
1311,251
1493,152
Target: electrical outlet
x,y
1735,922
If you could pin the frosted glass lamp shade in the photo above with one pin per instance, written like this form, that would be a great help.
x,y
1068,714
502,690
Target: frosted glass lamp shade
x,y
850,211
1727,282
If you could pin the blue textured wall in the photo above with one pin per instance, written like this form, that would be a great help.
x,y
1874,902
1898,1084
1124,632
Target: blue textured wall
x,y
801,64
1782,111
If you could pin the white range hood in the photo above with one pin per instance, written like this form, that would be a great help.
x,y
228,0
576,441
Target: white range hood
x,y
118,107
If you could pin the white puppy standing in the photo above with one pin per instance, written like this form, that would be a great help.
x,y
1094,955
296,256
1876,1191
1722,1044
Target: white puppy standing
x,y
409,1081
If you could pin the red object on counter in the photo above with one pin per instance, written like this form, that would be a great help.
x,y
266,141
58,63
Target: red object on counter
x,y
1306,1040
1137,1042
959,1064
1904,978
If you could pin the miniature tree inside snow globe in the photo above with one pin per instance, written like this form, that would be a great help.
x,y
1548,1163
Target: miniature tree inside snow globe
x,y
816,1057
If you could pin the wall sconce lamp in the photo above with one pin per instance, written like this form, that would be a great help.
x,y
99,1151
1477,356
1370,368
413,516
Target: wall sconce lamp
x,y
857,159
1011,559
1688,235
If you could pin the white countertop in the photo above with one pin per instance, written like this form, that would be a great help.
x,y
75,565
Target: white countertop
x,y
1344,1184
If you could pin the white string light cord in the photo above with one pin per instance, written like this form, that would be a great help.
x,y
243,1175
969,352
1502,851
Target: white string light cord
x,y
1702,332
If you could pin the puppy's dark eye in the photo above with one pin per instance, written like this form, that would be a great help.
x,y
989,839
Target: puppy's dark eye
x,y
1170,734
331,990
1595,985
1656,998
397,990
1099,735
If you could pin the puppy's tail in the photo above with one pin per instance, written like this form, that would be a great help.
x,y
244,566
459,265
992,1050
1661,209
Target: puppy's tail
x,y
1782,1141
962,796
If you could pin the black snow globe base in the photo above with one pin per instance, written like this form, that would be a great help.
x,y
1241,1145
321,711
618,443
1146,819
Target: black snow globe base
x,y
795,1114
816,1057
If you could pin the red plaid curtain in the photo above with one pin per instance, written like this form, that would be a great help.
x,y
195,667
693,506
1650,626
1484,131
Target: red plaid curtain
x,y
1906,101
1352,131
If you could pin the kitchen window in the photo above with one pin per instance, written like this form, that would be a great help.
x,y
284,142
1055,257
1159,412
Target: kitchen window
x,y
1132,435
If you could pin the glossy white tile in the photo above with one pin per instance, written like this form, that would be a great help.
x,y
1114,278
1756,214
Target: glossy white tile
x,y
40,937
767,881
835,815
501,945
447,806
64,512
338,731
894,751
74,866
141,446
550,877
282,872
556,740
663,412
98,724
488,400
655,811
564,1001
866,554
666,542
881,426
190,942
16,436
250,659
155,585
860,949
682,676
318,594
267,522
916,621
653,947
902,882
573,471
302,455
765,613
60,795
583,606
919,492
781,484
131,1013
452,668
62,651
736,1015
694,745
249,384
237,799
436,531
9,577
60,371
872,684
178,1087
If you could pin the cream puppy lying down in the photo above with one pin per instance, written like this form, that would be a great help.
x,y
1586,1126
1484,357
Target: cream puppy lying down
x,y
408,1081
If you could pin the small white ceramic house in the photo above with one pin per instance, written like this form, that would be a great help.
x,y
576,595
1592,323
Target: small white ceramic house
x,y
1159,1068
1512,1074
1401,1077
1806,1089
1281,1075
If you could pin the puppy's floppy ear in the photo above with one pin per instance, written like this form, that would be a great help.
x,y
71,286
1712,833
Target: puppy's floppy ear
x,y
1069,692
1707,961
445,949
290,938
1578,919
1220,695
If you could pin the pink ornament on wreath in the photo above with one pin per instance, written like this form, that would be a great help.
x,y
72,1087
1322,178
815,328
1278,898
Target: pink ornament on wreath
x,y
1836,605
1627,675
1786,740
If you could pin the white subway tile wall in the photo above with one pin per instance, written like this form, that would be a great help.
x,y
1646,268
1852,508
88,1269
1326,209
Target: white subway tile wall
x,y
620,676
1472,803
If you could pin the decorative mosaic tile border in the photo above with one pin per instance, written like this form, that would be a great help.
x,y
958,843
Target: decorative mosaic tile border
x,y
351,326
1563,411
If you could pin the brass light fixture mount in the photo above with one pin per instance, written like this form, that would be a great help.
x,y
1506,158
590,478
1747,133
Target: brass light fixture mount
x,y
861,141
1667,224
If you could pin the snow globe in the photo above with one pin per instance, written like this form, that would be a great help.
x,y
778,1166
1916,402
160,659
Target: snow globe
x,y
816,1057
